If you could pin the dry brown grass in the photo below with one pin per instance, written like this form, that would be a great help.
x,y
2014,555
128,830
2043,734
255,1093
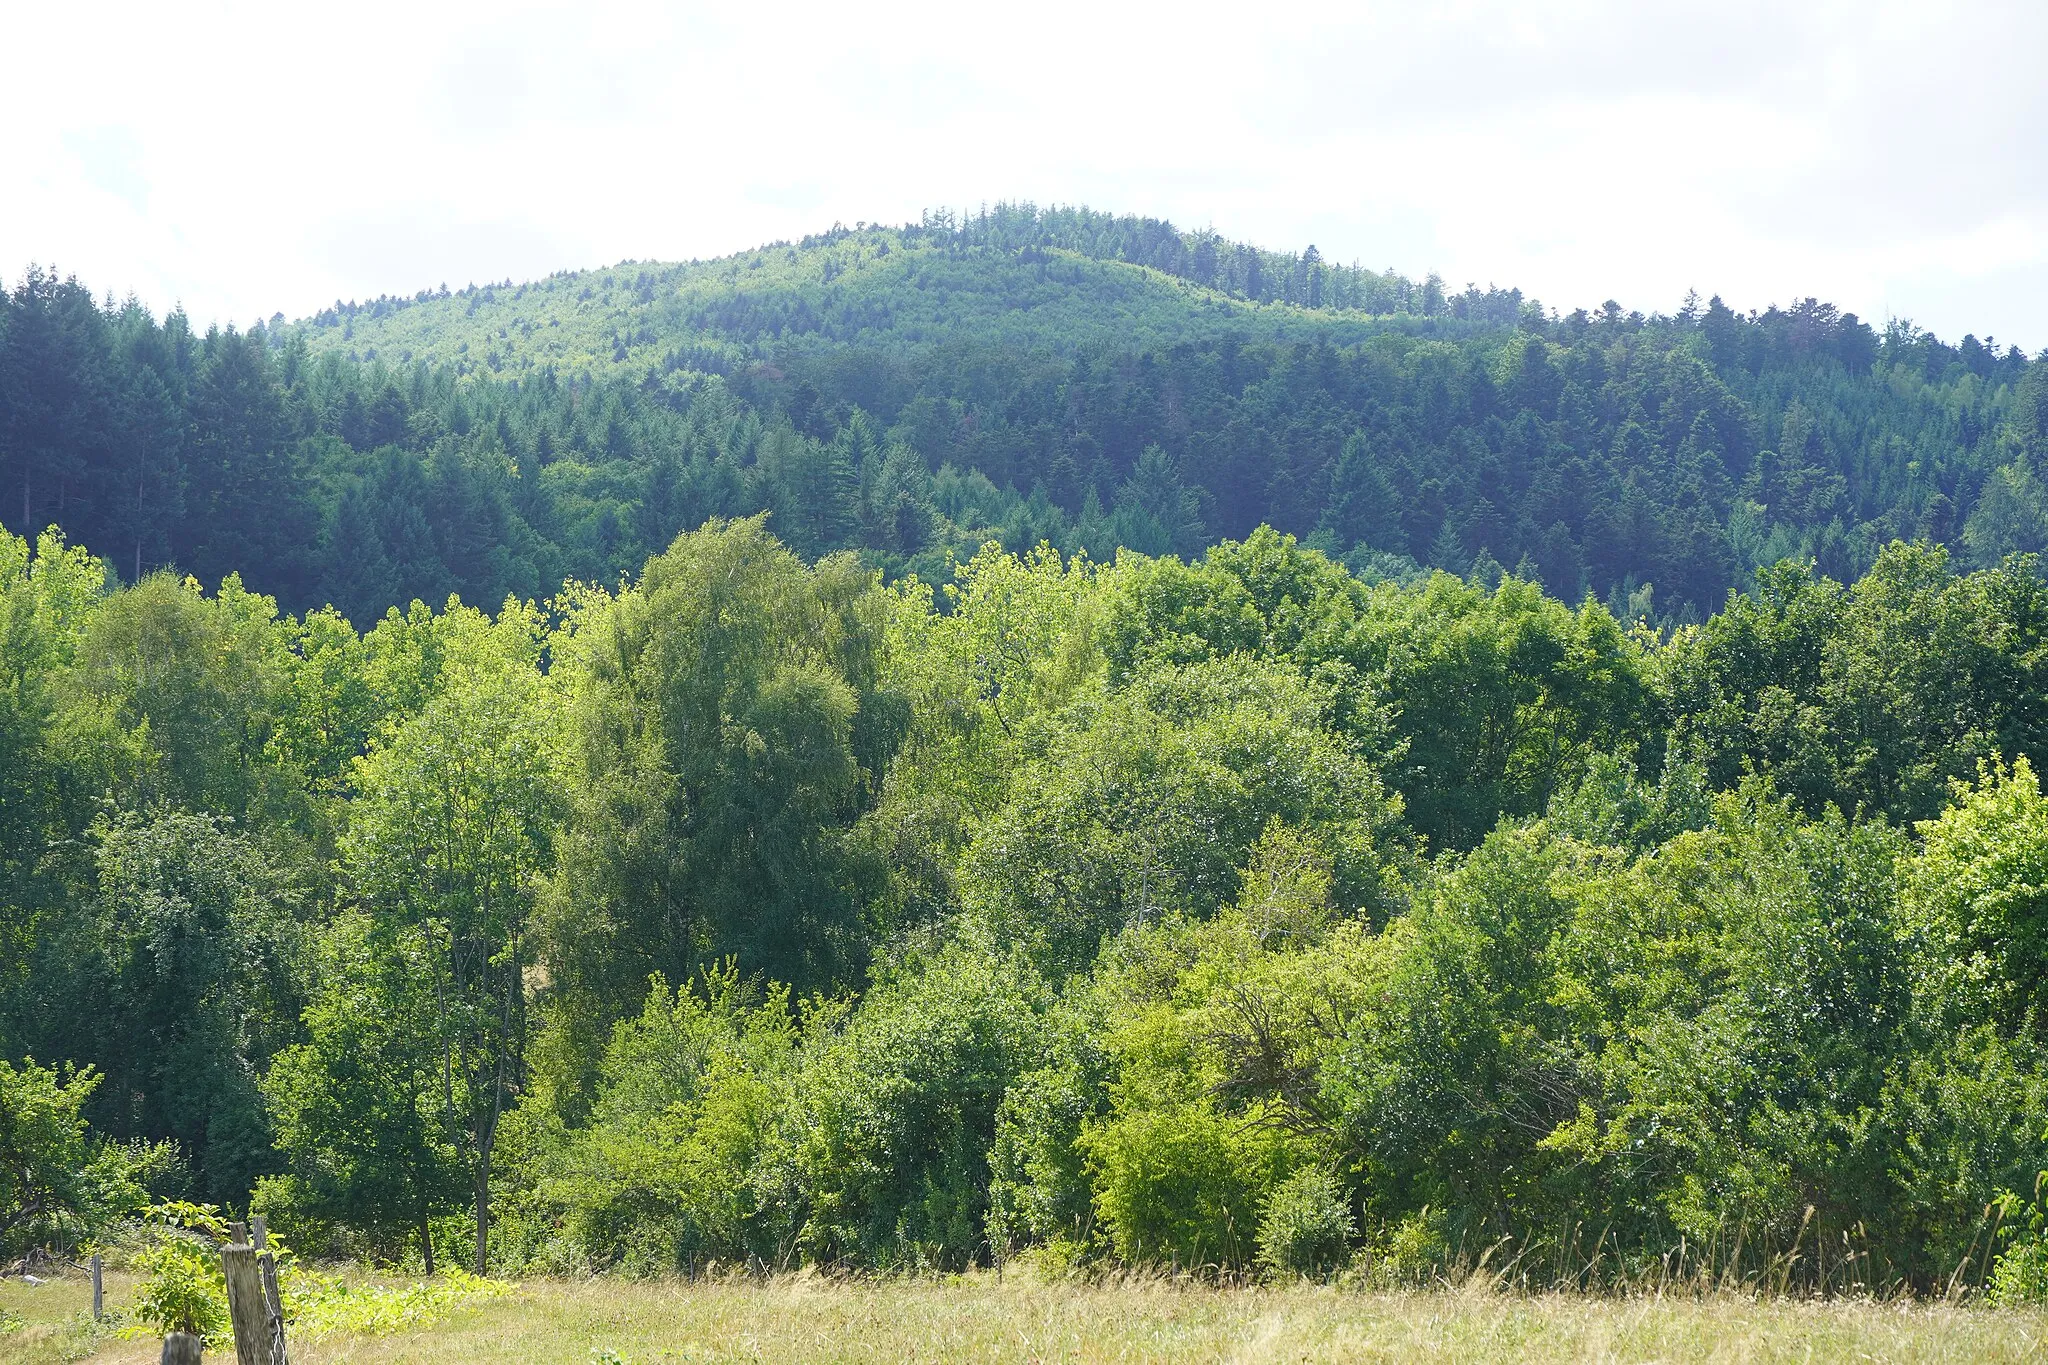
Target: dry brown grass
x,y
808,1318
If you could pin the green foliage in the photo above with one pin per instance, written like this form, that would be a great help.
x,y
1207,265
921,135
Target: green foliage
x,y
1416,1251
1151,799
318,1306
979,665
1765,1104
687,1156
1500,696
59,1181
1306,1225
2021,1275
899,1110
1040,1191
1444,1089
1181,1183
200,971
1024,374
1872,697
721,713
1979,900
1167,1116
361,1113
1486,700
725,1128
450,839
1611,804
1056,909
183,1287
199,678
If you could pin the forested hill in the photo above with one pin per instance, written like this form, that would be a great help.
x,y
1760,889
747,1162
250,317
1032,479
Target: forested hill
x,y
1056,282
1065,376
1232,909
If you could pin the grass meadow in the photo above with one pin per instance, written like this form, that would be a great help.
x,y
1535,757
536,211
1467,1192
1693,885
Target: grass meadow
x,y
1025,1319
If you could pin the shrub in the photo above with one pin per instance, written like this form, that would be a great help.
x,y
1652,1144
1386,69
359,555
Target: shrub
x,y
1181,1182
900,1107
183,1289
2021,1275
1413,1251
1306,1226
682,1159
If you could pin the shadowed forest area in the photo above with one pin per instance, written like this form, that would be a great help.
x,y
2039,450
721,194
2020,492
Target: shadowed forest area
x,y
1062,376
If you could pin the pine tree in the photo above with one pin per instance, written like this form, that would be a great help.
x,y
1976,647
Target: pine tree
x,y
1156,513
1447,551
360,578
1362,508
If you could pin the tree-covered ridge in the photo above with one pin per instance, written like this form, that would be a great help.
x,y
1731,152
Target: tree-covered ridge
x,y
1015,277
1025,376
1227,912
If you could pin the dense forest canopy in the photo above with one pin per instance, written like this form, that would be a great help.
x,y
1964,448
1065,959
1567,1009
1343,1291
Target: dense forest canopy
x,y
1091,381
1041,735
1226,912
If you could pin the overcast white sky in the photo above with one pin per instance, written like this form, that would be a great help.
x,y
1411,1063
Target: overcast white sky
x,y
247,159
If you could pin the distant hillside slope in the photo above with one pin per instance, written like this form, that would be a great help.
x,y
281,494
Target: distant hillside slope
x,y
1061,281
1091,381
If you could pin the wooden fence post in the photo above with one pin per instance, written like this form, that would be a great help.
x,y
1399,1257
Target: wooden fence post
x,y
266,1263
252,1303
99,1302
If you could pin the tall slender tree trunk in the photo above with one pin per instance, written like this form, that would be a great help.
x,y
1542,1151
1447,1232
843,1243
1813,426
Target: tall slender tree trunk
x,y
426,1236
483,1211
511,1026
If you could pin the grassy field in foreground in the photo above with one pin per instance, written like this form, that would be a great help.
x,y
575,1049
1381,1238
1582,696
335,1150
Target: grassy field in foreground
x,y
975,1319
